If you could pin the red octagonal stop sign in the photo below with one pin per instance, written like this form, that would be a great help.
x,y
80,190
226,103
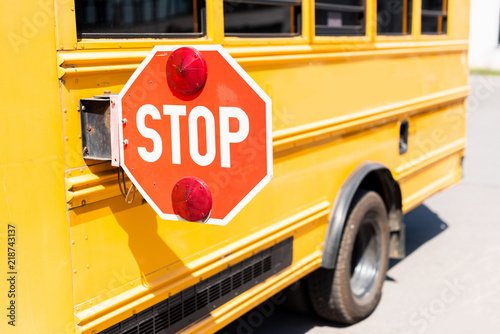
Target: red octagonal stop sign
x,y
201,133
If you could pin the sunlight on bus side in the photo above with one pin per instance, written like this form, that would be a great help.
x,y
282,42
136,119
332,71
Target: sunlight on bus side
x,y
368,120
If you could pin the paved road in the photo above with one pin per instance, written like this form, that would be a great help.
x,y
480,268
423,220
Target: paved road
x,y
450,280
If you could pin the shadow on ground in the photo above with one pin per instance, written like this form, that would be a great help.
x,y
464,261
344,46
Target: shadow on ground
x,y
271,317
422,225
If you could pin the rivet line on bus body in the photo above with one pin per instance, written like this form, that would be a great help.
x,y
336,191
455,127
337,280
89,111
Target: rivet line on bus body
x,y
83,107
86,238
74,271
72,242
88,266
72,8
65,110
125,142
66,138
78,109
124,121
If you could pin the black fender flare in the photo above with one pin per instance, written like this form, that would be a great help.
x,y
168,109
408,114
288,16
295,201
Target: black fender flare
x,y
343,201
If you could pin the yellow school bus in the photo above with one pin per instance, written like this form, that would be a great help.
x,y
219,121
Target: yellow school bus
x,y
368,117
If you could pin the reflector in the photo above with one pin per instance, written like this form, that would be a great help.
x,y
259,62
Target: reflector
x,y
191,199
186,71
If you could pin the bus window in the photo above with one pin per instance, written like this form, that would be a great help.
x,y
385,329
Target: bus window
x,y
394,17
434,16
340,17
137,18
262,18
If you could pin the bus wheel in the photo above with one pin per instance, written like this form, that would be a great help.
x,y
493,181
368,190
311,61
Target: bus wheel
x,y
351,291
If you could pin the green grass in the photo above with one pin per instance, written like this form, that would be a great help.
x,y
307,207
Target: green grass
x,y
484,71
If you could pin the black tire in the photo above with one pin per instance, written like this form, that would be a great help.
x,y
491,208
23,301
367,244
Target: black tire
x,y
351,291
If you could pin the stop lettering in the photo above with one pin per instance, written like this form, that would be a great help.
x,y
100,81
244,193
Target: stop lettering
x,y
175,113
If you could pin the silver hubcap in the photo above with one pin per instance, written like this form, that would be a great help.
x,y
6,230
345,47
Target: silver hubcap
x,y
365,260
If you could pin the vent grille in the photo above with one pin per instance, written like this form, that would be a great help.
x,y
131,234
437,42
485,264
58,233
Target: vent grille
x,y
196,302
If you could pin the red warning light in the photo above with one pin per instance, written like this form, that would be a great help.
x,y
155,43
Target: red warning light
x,y
191,199
186,71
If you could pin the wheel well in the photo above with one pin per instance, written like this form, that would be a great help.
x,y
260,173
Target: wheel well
x,y
381,181
368,176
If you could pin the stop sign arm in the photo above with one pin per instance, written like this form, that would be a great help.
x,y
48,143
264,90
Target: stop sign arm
x,y
114,120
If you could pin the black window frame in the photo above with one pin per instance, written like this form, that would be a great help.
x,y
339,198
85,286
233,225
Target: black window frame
x,y
409,21
443,14
131,35
285,3
344,31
